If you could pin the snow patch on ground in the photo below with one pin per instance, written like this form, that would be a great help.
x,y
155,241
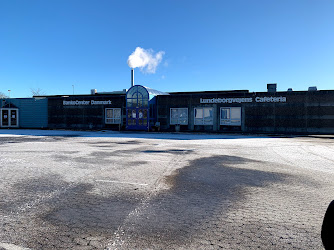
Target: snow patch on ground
x,y
117,134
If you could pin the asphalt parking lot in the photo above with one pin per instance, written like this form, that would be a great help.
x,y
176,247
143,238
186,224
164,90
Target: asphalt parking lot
x,y
110,190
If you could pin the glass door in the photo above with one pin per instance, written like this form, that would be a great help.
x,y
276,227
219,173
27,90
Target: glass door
x,y
9,117
13,117
137,117
4,118
142,117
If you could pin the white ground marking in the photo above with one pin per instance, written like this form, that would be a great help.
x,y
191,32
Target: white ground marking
x,y
8,246
122,182
119,234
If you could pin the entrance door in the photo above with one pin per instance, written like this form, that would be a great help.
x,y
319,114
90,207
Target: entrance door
x,y
137,115
9,117
137,118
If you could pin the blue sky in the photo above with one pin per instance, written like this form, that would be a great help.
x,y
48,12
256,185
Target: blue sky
x,y
207,45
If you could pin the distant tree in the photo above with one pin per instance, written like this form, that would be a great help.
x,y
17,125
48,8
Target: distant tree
x,y
2,95
37,92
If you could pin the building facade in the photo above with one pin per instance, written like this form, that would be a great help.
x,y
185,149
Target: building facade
x,y
264,112
105,111
24,113
142,108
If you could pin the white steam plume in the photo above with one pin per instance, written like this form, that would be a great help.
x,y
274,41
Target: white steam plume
x,y
145,59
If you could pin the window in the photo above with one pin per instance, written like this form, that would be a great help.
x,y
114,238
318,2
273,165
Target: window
x,y
230,116
179,116
203,116
137,97
113,116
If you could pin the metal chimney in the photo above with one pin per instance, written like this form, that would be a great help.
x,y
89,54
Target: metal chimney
x,y
132,77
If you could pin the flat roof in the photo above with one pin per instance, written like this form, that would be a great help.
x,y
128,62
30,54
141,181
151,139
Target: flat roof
x,y
210,92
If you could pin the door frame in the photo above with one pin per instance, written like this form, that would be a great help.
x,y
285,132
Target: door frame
x,y
137,126
137,99
9,120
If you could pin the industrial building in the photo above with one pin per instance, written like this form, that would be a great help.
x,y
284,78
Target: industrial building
x,y
142,108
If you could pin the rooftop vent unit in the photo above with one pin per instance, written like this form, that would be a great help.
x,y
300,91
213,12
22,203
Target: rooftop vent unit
x,y
312,88
271,87
290,90
93,91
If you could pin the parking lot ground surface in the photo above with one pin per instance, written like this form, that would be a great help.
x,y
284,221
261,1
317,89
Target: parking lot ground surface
x,y
112,190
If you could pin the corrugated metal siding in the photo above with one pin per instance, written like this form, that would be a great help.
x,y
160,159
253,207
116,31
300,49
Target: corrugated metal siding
x,y
33,112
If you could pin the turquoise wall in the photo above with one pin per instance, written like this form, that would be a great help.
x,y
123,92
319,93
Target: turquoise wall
x,y
33,112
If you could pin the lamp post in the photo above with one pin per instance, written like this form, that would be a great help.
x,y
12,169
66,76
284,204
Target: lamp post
x,y
9,96
73,88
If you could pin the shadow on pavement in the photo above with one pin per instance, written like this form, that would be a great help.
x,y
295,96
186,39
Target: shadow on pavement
x,y
207,188
199,194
